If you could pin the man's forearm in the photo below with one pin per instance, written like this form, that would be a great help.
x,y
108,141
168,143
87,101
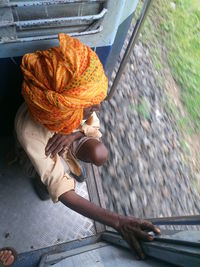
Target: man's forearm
x,y
88,209
130,228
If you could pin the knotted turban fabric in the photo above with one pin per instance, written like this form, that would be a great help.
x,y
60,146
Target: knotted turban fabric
x,y
59,82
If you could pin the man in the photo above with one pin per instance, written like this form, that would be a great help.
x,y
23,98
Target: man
x,y
57,124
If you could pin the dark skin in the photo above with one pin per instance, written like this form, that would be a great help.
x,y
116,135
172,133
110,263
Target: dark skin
x,y
58,143
132,229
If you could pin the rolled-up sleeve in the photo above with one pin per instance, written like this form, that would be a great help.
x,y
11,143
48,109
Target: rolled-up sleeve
x,y
91,127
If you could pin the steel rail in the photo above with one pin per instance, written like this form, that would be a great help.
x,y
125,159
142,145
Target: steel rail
x,y
130,47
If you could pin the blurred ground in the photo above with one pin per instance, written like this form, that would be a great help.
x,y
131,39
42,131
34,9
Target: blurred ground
x,y
171,34
147,174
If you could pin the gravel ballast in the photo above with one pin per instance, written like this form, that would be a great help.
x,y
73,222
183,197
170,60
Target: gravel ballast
x,y
146,175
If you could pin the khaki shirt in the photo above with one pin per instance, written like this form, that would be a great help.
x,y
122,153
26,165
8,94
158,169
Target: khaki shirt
x,y
33,138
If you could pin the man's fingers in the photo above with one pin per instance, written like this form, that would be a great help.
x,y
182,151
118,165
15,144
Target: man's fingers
x,y
57,149
62,151
143,235
65,148
149,226
136,245
130,240
53,147
157,230
129,234
51,141
54,143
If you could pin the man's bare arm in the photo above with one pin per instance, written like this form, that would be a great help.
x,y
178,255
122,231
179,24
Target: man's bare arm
x,y
131,228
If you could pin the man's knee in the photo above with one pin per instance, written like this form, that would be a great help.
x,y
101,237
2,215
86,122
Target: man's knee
x,y
99,154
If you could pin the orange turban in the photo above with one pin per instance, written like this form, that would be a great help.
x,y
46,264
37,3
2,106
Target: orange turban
x,y
59,82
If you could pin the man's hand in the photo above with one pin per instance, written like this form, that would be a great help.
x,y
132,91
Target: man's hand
x,y
133,230
59,143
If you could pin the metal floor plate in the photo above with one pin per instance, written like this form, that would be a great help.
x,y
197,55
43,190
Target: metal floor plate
x,y
26,222
107,256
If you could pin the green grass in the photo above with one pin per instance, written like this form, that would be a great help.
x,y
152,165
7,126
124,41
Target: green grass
x,y
143,108
184,55
175,29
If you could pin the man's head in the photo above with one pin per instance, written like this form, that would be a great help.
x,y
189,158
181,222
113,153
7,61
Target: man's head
x,y
59,83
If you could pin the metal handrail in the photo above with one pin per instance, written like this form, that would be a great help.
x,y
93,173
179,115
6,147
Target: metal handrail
x,y
130,47
42,22
179,220
55,36
47,2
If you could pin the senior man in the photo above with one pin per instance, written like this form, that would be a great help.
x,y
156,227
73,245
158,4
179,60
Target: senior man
x,y
57,125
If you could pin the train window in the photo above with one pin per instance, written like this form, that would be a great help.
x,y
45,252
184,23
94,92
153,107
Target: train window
x,y
36,20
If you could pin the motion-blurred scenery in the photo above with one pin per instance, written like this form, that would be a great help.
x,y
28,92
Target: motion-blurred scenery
x,y
152,124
